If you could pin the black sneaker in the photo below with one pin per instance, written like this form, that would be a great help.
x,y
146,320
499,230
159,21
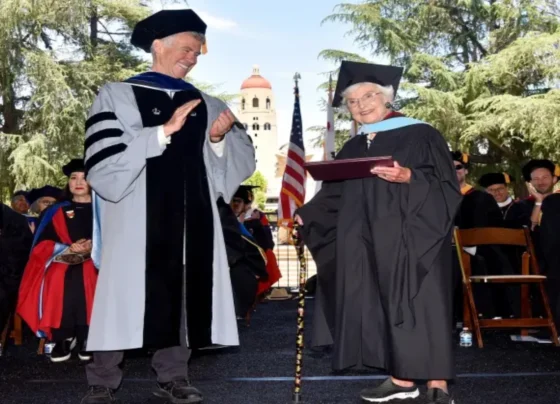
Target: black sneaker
x,y
388,391
83,354
438,396
179,392
62,350
98,395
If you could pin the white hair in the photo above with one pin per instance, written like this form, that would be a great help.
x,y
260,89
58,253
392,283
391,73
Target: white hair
x,y
387,92
168,40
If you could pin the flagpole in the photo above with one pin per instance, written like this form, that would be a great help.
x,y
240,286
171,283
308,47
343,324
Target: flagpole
x,y
300,249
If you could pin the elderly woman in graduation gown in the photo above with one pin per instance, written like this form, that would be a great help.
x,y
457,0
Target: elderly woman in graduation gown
x,y
382,245
58,285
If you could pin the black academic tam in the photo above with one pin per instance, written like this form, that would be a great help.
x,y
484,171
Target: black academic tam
x,y
165,23
383,255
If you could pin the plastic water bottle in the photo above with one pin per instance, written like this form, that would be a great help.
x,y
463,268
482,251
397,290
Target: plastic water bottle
x,y
465,338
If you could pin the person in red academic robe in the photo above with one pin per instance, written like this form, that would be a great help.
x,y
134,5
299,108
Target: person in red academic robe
x,y
257,223
58,285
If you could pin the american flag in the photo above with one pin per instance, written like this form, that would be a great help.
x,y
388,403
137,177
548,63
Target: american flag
x,y
292,194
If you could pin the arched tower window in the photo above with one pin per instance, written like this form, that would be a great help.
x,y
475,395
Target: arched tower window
x,y
243,104
256,126
267,103
267,126
255,102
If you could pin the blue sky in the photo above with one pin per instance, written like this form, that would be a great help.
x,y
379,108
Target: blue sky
x,y
282,37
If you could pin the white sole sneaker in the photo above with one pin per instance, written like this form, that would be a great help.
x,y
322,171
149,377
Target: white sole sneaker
x,y
396,396
66,357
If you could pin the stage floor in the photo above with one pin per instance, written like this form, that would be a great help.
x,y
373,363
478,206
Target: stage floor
x,y
261,371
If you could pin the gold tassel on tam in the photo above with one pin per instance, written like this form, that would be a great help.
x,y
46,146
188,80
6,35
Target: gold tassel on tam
x,y
204,49
557,170
507,178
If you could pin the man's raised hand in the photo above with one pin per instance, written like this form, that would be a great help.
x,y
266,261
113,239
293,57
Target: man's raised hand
x,y
179,117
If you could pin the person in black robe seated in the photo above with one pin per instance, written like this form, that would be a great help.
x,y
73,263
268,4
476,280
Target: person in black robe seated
x,y
381,246
479,209
257,224
513,212
541,176
246,259
58,285
15,243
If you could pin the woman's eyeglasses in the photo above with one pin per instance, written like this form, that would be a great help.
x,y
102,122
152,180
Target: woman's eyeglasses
x,y
459,167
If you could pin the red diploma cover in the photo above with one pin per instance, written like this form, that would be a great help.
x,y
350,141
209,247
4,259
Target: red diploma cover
x,y
346,169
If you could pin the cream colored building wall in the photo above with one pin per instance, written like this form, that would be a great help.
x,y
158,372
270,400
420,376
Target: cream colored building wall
x,y
265,141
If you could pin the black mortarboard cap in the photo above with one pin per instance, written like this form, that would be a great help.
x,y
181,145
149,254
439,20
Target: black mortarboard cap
x,y
20,192
487,180
47,190
165,23
534,164
461,157
74,166
356,72
245,192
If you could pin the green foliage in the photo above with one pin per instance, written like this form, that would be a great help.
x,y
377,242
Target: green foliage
x,y
259,193
54,57
479,71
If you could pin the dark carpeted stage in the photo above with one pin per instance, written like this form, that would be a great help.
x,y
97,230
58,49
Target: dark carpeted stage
x,y
261,370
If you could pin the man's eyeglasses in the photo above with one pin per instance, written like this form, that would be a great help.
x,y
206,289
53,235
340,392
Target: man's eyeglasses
x,y
459,167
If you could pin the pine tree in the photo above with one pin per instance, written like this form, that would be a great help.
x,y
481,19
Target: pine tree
x,y
482,72
54,57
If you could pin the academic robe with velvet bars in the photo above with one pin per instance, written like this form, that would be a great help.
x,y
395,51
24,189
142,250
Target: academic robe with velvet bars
x,y
384,263
162,243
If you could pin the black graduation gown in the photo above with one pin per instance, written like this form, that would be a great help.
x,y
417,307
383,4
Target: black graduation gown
x,y
244,258
516,215
178,202
479,209
15,244
382,251
549,240
79,221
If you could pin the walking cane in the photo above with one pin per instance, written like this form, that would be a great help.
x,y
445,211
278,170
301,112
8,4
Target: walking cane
x,y
300,248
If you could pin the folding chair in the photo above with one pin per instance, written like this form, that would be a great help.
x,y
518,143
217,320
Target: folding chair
x,y
13,330
530,274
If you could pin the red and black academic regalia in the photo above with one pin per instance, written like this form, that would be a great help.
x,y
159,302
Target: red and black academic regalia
x,y
55,299
260,228
246,260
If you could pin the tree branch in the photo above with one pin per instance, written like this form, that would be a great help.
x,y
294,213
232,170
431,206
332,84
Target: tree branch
x,y
106,31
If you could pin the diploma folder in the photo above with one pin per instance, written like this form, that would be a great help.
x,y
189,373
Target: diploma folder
x,y
346,169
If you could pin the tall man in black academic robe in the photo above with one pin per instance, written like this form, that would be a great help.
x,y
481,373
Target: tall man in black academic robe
x,y
479,209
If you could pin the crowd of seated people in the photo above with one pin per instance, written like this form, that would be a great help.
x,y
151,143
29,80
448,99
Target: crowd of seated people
x,y
494,206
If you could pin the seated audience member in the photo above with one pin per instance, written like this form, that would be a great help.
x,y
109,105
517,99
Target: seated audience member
x,y
15,243
479,209
257,223
246,259
58,285
514,213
